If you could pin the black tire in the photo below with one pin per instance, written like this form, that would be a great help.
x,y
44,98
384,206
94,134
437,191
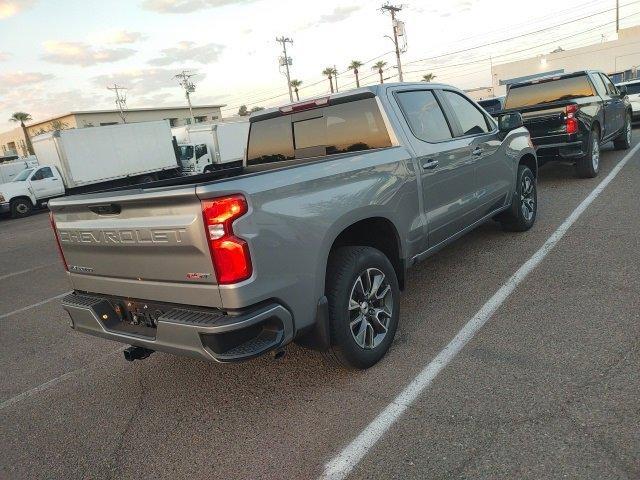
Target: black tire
x,y
208,169
623,142
346,266
589,165
521,216
21,207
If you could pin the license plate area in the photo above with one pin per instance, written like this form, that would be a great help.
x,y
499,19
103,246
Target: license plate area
x,y
132,317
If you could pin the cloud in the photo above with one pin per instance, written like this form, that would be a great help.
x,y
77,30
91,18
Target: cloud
x,y
187,51
186,6
339,14
78,53
117,37
144,80
13,80
4,56
9,8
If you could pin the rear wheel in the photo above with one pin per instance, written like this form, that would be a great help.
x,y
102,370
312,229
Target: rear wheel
x,y
623,142
522,214
21,207
364,306
589,165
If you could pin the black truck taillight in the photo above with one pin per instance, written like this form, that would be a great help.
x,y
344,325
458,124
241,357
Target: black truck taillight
x,y
55,233
571,121
230,254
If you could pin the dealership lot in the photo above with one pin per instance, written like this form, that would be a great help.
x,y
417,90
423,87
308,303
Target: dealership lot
x,y
547,389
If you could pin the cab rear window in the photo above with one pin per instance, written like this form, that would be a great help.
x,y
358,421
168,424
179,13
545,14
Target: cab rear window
x,y
346,127
548,91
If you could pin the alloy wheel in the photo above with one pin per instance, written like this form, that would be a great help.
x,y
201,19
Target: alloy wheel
x,y
527,198
22,208
370,308
595,154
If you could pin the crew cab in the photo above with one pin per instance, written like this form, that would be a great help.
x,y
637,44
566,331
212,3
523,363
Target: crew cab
x,y
309,241
571,115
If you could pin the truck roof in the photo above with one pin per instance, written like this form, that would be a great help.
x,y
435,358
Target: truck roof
x,y
341,97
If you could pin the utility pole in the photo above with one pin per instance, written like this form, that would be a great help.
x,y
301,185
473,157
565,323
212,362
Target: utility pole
x,y
397,26
184,80
121,100
286,61
617,16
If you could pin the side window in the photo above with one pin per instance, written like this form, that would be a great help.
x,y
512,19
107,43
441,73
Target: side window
x,y
611,88
424,115
201,150
599,84
472,120
44,172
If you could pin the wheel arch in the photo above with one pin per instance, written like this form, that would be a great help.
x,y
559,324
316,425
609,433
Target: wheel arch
x,y
530,161
374,231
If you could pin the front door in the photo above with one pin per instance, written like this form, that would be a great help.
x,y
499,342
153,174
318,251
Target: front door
x,y
445,165
615,106
46,183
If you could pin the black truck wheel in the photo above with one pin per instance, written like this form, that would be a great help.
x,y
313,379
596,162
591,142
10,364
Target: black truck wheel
x,y
589,165
521,216
21,207
364,306
623,141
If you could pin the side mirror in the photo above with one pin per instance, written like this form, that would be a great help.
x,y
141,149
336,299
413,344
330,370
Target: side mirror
x,y
509,121
623,90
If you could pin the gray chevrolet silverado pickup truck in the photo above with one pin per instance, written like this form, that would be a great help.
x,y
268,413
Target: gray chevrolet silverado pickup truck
x,y
309,241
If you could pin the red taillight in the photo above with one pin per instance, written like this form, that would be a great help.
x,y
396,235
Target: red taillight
x,y
298,107
55,233
571,120
230,254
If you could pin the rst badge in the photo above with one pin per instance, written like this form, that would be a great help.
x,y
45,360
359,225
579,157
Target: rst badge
x,y
198,276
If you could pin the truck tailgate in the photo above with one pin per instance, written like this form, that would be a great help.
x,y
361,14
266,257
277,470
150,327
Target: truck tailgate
x,y
546,124
139,244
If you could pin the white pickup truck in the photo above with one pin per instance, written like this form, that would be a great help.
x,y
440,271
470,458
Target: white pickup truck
x,y
91,159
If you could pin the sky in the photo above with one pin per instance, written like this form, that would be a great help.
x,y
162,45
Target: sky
x,y
58,56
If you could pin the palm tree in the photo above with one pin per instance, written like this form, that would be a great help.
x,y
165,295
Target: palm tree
x,y
295,84
428,77
23,117
355,65
330,72
379,66
58,125
243,111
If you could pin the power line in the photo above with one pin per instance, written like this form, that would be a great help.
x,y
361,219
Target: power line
x,y
515,37
398,31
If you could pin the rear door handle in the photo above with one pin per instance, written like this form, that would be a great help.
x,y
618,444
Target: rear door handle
x,y
429,164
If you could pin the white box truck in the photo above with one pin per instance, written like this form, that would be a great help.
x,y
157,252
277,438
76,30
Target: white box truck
x,y
90,159
213,146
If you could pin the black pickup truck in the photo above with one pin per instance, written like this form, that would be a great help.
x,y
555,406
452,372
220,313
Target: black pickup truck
x,y
570,115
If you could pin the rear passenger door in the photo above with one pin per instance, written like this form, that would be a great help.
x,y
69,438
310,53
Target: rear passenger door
x,y
445,170
493,171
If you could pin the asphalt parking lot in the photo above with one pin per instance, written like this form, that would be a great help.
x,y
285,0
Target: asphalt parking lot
x,y
548,388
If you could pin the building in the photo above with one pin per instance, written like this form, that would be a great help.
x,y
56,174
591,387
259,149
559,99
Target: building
x,y
619,58
13,141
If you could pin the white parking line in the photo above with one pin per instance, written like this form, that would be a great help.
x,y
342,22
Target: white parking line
x,y
340,466
27,270
33,305
54,381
